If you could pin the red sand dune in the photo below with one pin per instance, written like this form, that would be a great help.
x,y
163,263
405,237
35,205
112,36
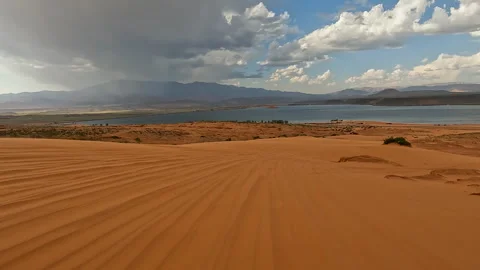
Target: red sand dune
x,y
267,204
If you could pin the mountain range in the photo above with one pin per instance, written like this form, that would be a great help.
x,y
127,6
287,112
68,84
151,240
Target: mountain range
x,y
394,97
145,93
152,93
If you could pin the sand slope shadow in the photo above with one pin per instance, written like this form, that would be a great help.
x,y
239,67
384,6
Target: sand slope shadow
x,y
433,175
441,174
367,159
398,177
466,172
469,180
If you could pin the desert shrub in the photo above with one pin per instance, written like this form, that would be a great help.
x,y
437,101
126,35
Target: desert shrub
x,y
116,137
398,140
229,140
138,140
348,129
256,137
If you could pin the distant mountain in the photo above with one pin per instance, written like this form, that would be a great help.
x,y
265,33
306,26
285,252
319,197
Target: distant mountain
x,y
419,100
387,93
454,87
438,89
127,92
394,93
144,92
349,93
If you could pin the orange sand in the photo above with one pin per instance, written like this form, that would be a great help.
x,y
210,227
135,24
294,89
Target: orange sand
x,y
266,204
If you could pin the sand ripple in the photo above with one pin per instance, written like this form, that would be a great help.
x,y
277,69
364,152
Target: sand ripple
x,y
272,204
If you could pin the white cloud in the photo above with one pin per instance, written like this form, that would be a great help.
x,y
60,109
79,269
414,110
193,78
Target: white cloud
x,y
370,76
332,84
353,31
257,19
225,57
425,60
398,66
446,68
293,71
320,79
300,79
377,28
259,11
464,19
296,74
475,34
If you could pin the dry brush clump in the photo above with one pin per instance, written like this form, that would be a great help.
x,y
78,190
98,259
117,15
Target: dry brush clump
x,y
56,132
398,140
185,133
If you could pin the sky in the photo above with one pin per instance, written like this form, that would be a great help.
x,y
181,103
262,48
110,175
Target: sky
x,y
308,46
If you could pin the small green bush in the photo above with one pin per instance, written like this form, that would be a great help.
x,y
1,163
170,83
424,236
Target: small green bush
x,y
398,140
138,140
256,137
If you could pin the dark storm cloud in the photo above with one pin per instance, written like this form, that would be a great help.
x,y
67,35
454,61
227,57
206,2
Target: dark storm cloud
x,y
149,39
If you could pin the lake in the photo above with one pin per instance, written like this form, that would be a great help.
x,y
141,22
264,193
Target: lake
x,y
318,113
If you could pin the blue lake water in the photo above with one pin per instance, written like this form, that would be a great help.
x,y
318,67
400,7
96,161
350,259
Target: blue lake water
x,y
318,113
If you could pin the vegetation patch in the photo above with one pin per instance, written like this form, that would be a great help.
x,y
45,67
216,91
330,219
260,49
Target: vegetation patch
x,y
398,140
171,133
281,122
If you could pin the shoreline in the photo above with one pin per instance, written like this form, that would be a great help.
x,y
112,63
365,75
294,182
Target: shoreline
x,y
48,118
61,118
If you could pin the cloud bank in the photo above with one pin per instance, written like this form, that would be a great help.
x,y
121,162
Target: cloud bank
x,y
446,68
77,43
377,28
